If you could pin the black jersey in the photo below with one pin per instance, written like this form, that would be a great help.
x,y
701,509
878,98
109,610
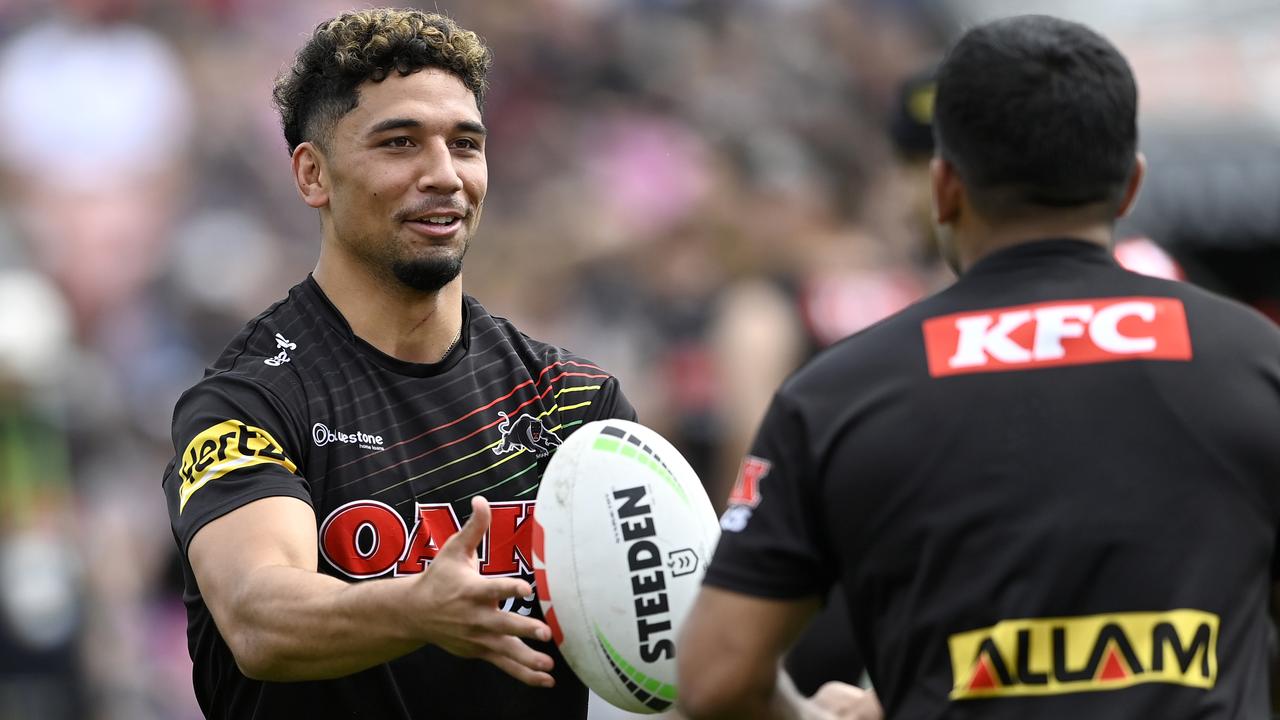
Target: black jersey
x,y
1051,490
388,453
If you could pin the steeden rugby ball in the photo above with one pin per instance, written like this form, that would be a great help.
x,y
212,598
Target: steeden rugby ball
x,y
623,532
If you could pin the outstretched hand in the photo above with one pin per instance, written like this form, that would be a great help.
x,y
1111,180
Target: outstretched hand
x,y
459,607
840,701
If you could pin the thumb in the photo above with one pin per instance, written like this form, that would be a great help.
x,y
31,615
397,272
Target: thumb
x,y
469,537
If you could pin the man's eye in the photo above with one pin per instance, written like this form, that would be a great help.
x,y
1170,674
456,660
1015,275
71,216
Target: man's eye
x,y
466,144
402,141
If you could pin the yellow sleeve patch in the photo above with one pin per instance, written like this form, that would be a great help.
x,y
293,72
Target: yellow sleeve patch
x,y
229,445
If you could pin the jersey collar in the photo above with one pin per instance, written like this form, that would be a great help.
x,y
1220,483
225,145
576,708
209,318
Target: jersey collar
x,y
1038,252
330,312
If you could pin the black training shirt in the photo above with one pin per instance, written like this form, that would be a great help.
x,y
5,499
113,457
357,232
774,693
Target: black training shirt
x,y
388,454
1051,491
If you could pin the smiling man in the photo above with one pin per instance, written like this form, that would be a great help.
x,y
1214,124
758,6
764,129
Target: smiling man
x,y
339,559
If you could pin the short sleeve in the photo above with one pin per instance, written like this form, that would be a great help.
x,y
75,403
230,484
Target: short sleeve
x,y
234,443
771,541
611,404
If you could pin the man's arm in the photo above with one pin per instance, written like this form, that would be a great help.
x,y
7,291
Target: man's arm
x,y
1275,652
728,656
257,570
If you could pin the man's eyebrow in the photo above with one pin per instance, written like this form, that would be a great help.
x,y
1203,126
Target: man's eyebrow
x,y
394,123
468,126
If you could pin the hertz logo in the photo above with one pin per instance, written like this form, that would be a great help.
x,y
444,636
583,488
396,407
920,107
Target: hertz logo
x,y
1053,656
229,445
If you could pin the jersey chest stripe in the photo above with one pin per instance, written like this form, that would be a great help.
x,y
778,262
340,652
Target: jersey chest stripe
x,y
534,382
468,476
421,455
522,493
490,446
468,436
438,468
500,483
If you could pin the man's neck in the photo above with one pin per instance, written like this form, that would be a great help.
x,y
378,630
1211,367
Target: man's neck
x,y
976,242
406,324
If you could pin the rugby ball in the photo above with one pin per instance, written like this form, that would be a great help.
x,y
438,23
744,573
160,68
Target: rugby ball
x,y
623,531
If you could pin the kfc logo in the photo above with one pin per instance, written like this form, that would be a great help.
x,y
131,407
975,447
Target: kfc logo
x,y
1072,332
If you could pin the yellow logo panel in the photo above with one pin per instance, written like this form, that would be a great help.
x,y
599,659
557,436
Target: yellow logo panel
x,y
1053,656
229,445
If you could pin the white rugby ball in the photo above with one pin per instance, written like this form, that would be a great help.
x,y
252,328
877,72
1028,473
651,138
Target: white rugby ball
x,y
622,536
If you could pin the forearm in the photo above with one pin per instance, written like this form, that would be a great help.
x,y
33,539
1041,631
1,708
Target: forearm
x,y
729,694
287,623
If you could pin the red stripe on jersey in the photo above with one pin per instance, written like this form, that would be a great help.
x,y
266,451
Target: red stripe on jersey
x,y
540,396
534,382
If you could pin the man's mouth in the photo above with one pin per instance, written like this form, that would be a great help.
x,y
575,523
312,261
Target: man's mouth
x,y
436,225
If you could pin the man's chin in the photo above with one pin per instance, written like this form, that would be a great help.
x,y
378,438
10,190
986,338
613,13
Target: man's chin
x,y
427,275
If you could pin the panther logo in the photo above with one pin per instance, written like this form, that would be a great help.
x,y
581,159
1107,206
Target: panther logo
x,y
526,433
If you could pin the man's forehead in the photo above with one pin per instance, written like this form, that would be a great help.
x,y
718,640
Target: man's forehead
x,y
430,95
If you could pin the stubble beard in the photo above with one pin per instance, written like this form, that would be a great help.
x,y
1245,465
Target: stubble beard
x,y
427,275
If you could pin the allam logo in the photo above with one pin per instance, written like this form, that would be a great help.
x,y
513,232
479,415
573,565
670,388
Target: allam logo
x,y
1054,656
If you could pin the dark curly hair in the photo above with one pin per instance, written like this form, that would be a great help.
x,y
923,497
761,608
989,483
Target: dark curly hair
x,y
1034,111
320,87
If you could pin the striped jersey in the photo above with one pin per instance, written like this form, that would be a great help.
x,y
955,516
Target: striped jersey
x,y
388,454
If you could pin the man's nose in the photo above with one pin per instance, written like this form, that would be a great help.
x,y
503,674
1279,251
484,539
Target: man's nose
x,y
438,173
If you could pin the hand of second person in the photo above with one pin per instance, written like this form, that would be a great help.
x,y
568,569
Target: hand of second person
x,y
458,608
841,701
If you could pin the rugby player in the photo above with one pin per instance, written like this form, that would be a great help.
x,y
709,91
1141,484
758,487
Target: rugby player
x,y
328,489
1051,489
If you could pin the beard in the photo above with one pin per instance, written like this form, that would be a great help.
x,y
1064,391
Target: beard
x,y
427,275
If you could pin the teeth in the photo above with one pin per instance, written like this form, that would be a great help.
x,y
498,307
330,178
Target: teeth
x,y
440,220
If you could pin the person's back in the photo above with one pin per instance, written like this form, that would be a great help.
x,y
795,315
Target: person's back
x,y
1055,478
1049,491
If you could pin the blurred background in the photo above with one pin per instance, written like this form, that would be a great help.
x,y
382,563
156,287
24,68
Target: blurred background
x,y
696,193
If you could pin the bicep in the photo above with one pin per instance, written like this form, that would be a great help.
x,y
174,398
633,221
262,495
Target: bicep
x,y
273,531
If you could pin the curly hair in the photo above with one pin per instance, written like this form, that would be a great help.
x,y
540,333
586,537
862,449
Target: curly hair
x,y
321,85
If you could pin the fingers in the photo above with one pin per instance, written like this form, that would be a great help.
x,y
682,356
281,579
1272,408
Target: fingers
x,y
848,702
466,540
524,674
499,589
521,626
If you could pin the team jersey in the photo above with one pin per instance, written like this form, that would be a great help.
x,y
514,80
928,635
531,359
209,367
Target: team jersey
x,y
388,454
1051,490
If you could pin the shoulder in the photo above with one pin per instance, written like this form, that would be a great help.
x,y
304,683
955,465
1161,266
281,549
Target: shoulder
x,y
893,347
541,357
1215,321
570,379
261,361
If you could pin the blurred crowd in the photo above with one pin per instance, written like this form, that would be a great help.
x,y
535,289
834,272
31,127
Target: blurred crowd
x,y
696,193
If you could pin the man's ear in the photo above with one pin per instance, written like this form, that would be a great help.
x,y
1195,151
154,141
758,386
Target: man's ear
x,y
311,175
1134,185
948,191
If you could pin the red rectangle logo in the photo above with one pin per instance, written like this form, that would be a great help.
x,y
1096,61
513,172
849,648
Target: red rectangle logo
x,y
1063,332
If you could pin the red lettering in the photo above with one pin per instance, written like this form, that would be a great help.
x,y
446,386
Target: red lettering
x,y
436,524
509,546
366,538
363,538
746,488
1066,332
